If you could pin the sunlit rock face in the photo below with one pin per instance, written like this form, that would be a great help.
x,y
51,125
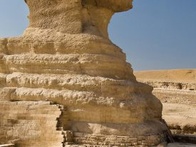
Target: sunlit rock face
x,y
66,63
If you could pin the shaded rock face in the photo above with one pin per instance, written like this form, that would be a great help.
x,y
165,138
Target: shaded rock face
x,y
65,58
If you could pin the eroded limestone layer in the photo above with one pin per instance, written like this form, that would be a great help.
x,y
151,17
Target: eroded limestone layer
x,y
65,57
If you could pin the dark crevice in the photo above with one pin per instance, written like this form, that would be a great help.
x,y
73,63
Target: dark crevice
x,y
185,138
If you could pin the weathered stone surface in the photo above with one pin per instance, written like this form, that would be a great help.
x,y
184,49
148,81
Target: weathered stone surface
x,y
23,122
65,57
7,145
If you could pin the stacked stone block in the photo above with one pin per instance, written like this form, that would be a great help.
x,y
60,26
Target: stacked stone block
x,y
30,124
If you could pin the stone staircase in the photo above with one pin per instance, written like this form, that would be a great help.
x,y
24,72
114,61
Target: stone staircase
x,y
31,123
7,145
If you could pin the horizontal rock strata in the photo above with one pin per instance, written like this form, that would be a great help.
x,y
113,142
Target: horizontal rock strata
x,y
25,122
70,85
90,85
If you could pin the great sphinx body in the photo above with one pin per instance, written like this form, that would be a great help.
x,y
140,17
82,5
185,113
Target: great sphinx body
x,y
63,82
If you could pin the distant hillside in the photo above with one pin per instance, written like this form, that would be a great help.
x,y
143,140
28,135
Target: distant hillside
x,y
180,75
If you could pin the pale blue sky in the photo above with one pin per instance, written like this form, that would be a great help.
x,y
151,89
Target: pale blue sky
x,y
155,34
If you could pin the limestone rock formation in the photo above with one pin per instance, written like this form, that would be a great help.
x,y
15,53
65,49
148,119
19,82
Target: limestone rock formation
x,y
64,82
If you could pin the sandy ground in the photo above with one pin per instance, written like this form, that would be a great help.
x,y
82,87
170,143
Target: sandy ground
x,y
188,75
179,105
182,115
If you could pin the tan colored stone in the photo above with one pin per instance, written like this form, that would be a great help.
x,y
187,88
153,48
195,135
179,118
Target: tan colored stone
x,y
65,57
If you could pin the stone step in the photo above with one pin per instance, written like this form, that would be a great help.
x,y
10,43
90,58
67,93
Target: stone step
x,y
18,116
40,144
7,145
69,82
33,120
57,96
93,65
81,99
68,96
21,46
45,111
62,84
33,107
54,81
18,121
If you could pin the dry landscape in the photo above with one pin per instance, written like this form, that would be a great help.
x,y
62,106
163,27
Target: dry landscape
x,y
177,91
63,83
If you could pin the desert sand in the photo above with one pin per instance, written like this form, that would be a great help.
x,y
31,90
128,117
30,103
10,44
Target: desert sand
x,y
178,75
177,91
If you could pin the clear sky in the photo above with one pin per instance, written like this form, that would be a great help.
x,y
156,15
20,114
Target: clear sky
x,y
155,34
